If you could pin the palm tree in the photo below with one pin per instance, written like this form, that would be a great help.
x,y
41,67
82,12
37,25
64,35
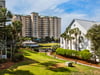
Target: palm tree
x,y
76,33
12,33
71,31
9,36
66,38
17,25
80,40
5,16
16,30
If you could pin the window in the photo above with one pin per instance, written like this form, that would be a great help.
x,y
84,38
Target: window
x,y
74,25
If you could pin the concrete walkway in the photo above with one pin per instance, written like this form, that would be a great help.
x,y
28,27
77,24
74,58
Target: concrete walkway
x,y
72,61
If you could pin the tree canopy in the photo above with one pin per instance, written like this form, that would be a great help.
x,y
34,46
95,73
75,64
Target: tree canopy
x,y
94,35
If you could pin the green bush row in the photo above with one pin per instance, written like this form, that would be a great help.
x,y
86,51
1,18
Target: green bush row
x,y
84,54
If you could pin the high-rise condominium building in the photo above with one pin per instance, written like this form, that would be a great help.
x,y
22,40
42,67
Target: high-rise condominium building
x,y
2,3
39,26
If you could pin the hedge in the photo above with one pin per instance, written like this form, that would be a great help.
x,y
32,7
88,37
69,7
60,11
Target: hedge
x,y
84,54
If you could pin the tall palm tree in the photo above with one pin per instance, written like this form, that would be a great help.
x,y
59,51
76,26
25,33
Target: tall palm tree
x,y
16,30
12,33
5,16
9,36
17,25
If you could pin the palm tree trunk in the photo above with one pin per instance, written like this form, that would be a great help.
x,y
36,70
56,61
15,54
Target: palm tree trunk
x,y
5,40
67,44
6,46
13,46
71,44
11,52
76,42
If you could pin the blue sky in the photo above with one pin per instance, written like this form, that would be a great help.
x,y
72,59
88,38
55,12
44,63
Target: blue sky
x,y
66,9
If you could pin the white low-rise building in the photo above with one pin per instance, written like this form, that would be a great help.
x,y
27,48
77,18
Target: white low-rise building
x,y
83,26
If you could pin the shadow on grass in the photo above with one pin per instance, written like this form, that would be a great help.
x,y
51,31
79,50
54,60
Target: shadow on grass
x,y
32,51
12,71
26,61
17,72
49,63
26,54
60,69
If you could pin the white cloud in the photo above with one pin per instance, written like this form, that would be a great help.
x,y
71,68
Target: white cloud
x,y
67,18
47,7
33,5
28,6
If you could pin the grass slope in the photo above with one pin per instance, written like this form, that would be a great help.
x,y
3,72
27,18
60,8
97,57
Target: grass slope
x,y
40,64
48,44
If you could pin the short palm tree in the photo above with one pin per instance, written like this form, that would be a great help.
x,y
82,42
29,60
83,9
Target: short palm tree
x,y
76,33
66,38
71,31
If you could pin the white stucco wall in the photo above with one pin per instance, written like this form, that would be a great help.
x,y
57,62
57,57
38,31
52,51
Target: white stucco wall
x,y
85,44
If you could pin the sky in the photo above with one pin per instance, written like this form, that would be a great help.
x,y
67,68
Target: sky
x,y
67,10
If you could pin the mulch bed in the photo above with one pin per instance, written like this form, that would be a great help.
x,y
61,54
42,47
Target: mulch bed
x,y
6,65
80,61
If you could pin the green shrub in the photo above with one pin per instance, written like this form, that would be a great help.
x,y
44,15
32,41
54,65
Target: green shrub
x,y
17,57
86,50
66,52
85,55
58,50
63,52
75,53
69,52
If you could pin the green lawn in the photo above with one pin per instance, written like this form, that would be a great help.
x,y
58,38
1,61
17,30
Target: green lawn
x,y
48,44
40,64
